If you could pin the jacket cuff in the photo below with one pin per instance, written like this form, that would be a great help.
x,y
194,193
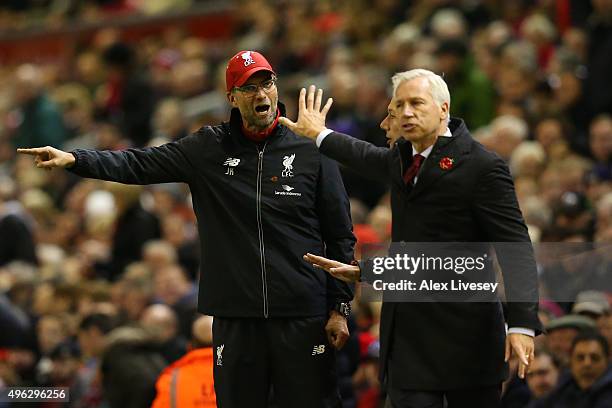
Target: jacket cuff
x,y
76,160
522,330
322,136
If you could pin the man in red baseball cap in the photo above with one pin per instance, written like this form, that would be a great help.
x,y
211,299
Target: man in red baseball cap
x,y
251,87
244,64
263,197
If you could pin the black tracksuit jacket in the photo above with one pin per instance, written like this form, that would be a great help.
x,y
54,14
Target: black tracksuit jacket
x,y
259,208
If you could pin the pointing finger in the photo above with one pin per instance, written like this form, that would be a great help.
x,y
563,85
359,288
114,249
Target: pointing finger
x,y
33,151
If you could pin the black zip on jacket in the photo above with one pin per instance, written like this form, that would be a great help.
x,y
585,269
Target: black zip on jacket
x,y
259,208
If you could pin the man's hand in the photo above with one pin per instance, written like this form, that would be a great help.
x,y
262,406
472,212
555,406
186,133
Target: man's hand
x,y
523,347
337,330
311,118
339,270
49,157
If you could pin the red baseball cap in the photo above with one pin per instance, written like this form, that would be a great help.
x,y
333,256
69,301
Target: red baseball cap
x,y
242,65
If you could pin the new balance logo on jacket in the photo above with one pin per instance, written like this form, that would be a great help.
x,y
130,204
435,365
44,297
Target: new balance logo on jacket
x,y
320,349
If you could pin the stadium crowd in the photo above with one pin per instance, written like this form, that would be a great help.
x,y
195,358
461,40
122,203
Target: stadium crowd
x,y
17,15
98,280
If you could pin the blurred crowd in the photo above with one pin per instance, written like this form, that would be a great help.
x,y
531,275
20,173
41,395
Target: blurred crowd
x,y
16,15
92,272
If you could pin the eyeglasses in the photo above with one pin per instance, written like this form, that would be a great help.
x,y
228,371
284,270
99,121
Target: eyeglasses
x,y
253,88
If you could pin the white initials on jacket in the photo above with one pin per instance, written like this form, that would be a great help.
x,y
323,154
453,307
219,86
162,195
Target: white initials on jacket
x,y
230,162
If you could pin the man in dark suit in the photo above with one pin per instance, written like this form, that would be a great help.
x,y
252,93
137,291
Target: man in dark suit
x,y
445,187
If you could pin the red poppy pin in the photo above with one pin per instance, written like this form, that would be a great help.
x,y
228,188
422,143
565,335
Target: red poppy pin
x,y
446,163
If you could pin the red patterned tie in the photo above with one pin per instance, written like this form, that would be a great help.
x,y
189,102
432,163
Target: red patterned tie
x,y
413,170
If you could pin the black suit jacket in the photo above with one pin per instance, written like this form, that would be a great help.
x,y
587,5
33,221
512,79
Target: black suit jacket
x,y
443,346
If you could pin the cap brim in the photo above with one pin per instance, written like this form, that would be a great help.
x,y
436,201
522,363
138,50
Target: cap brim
x,y
248,74
573,321
588,307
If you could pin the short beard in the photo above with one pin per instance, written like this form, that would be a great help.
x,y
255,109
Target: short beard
x,y
258,124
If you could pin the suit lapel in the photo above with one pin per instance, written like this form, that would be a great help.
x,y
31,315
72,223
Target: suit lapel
x,y
446,147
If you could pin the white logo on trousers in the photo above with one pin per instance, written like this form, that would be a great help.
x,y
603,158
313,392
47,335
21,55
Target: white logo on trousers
x,y
220,355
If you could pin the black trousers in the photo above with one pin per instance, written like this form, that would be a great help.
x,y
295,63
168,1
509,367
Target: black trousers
x,y
482,397
477,397
280,362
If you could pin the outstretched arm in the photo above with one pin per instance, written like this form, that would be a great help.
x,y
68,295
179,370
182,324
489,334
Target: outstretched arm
x,y
362,157
163,164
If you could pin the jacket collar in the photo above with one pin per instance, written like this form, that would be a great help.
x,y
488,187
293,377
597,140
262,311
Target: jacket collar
x,y
455,148
425,153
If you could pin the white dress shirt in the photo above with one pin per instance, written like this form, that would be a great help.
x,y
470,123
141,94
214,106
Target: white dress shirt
x,y
425,153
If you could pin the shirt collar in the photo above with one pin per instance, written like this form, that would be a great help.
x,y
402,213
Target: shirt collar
x,y
425,153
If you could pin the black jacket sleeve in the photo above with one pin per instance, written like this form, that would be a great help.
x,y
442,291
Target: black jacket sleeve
x,y
333,209
364,158
164,164
497,212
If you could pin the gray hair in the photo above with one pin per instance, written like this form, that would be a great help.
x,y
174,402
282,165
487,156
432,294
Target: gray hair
x,y
437,86
536,212
448,23
526,150
539,24
517,127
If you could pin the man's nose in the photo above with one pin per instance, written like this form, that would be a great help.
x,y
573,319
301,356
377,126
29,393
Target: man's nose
x,y
384,125
407,111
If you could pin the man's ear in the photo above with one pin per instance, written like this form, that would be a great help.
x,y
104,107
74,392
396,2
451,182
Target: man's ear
x,y
444,111
231,99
